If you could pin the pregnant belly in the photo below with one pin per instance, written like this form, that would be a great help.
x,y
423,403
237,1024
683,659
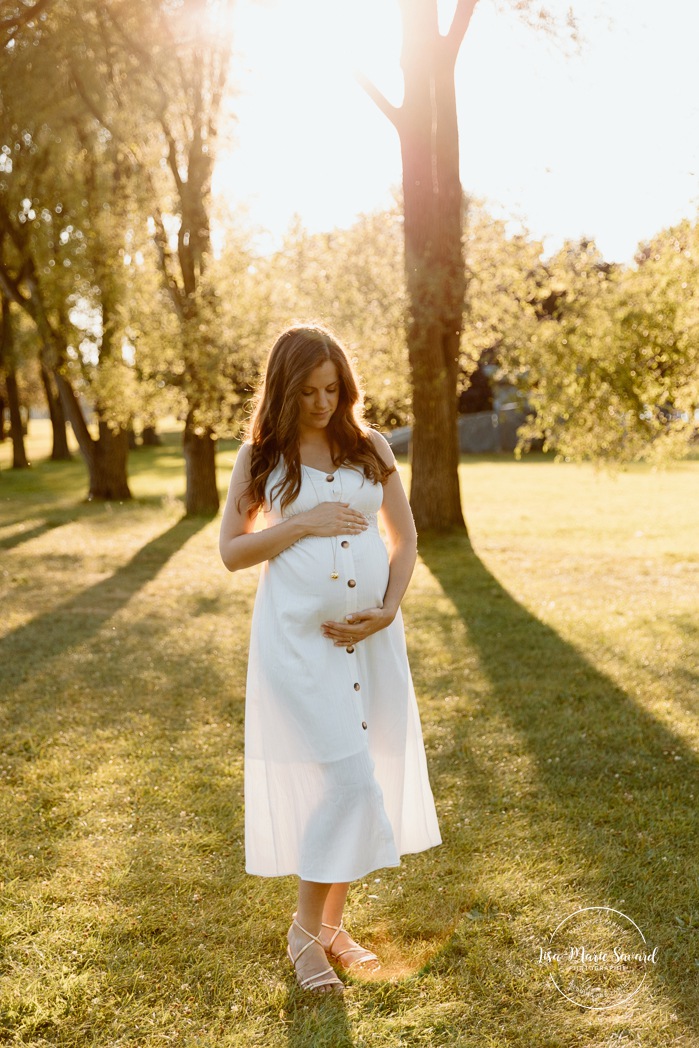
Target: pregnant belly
x,y
302,576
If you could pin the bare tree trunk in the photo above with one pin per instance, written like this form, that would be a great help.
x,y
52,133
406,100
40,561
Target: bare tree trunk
x,y
106,457
59,450
202,497
434,258
434,262
150,437
19,454
108,476
3,431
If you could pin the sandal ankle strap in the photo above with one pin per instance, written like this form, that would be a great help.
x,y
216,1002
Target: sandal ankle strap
x,y
336,929
311,939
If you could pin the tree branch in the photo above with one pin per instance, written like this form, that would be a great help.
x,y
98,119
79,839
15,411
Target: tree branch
x,y
161,243
459,24
10,291
392,112
171,153
17,234
90,105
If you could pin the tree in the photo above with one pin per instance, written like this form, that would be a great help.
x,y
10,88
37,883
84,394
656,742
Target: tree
x,y
58,188
134,95
176,81
426,123
613,367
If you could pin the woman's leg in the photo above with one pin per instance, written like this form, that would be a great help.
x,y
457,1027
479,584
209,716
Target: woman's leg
x,y
341,944
309,915
334,905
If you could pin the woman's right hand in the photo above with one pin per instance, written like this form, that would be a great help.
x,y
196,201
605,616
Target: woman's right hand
x,y
332,518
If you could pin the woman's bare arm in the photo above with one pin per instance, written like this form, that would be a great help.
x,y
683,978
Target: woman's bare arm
x,y
397,519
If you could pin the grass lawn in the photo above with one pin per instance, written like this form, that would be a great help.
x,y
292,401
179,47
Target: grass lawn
x,y
557,669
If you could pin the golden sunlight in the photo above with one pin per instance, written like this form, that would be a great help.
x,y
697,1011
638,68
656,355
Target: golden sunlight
x,y
539,139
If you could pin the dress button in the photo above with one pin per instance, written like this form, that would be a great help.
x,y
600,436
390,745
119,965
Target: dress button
x,y
351,583
330,478
345,544
350,649
364,725
357,686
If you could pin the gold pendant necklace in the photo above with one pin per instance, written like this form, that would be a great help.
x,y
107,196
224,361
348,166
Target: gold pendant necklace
x,y
334,574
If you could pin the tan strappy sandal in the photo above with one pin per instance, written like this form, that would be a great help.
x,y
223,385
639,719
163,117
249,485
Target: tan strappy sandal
x,y
317,980
366,959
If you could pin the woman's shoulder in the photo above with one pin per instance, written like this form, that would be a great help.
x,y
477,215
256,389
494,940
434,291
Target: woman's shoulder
x,y
381,446
251,463
243,457
252,452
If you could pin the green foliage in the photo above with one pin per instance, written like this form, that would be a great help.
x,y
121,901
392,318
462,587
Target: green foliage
x,y
612,366
67,198
176,85
504,270
244,295
108,154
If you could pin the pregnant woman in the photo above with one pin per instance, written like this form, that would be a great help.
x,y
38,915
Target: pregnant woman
x,y
336,781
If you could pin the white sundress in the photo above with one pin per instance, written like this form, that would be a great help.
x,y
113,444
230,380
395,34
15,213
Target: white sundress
x,y
336,781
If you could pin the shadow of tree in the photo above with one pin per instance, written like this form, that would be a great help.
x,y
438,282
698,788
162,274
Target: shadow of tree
x,y
25,649
616,788
12,541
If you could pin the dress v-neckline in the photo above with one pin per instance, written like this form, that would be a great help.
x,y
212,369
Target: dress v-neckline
x,y
327,472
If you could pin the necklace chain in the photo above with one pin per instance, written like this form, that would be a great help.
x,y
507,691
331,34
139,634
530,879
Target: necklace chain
x,y
334,574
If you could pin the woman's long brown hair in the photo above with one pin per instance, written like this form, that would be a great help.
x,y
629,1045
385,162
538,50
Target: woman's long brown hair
x,y
274,426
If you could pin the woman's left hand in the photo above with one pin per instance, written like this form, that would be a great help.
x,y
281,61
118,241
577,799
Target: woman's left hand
x,y
358,626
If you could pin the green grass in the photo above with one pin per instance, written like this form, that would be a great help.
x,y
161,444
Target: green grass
x,y
557,673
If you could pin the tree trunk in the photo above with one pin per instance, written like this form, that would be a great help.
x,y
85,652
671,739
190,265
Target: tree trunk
x,y
106,458
108,472
3,431
59,450
200,464
434,259
19,454
150,437
434,264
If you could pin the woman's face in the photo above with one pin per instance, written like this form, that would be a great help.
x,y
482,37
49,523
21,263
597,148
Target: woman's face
x,y
319,395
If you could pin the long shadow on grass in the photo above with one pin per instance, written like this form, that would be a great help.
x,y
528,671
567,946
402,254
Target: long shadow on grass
x,y
24,650
616,784
29,533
